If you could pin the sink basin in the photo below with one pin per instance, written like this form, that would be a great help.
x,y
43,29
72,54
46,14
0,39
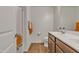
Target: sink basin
x,y
74,40
70,36
67,36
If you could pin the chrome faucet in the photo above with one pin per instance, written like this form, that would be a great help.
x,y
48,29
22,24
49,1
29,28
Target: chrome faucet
x,y
62,29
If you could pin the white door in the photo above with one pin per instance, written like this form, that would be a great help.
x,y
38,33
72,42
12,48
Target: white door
x,y
7,29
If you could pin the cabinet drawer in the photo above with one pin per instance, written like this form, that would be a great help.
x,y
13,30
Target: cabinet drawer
x,y
52,37
64,47
58,50
51,45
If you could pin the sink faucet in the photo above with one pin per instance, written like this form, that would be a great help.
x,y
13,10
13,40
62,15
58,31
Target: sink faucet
x,y
62,30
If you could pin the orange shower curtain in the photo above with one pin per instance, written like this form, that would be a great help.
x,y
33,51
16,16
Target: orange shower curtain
x,y
30,28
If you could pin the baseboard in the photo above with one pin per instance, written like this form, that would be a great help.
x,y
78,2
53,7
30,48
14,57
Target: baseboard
x,y
37,42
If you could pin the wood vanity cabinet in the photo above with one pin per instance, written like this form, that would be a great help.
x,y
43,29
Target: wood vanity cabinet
x,y
57,46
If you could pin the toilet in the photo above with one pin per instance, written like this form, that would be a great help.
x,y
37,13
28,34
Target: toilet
x,y
46,41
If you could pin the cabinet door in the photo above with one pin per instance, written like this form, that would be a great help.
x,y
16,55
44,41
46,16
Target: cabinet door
x,y
64,47
58,50
51,45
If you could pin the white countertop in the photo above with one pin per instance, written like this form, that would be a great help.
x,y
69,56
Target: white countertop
x,y
68,38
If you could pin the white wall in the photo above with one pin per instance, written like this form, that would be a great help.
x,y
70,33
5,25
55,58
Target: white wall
x,y
68,17
19,21
77,13
56,21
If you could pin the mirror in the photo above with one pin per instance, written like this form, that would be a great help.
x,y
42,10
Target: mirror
x,y
66,16
69,17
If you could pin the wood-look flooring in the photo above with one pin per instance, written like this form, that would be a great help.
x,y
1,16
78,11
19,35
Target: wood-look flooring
x,y
38,48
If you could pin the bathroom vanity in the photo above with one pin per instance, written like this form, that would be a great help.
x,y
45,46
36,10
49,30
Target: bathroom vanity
x,y
63,43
